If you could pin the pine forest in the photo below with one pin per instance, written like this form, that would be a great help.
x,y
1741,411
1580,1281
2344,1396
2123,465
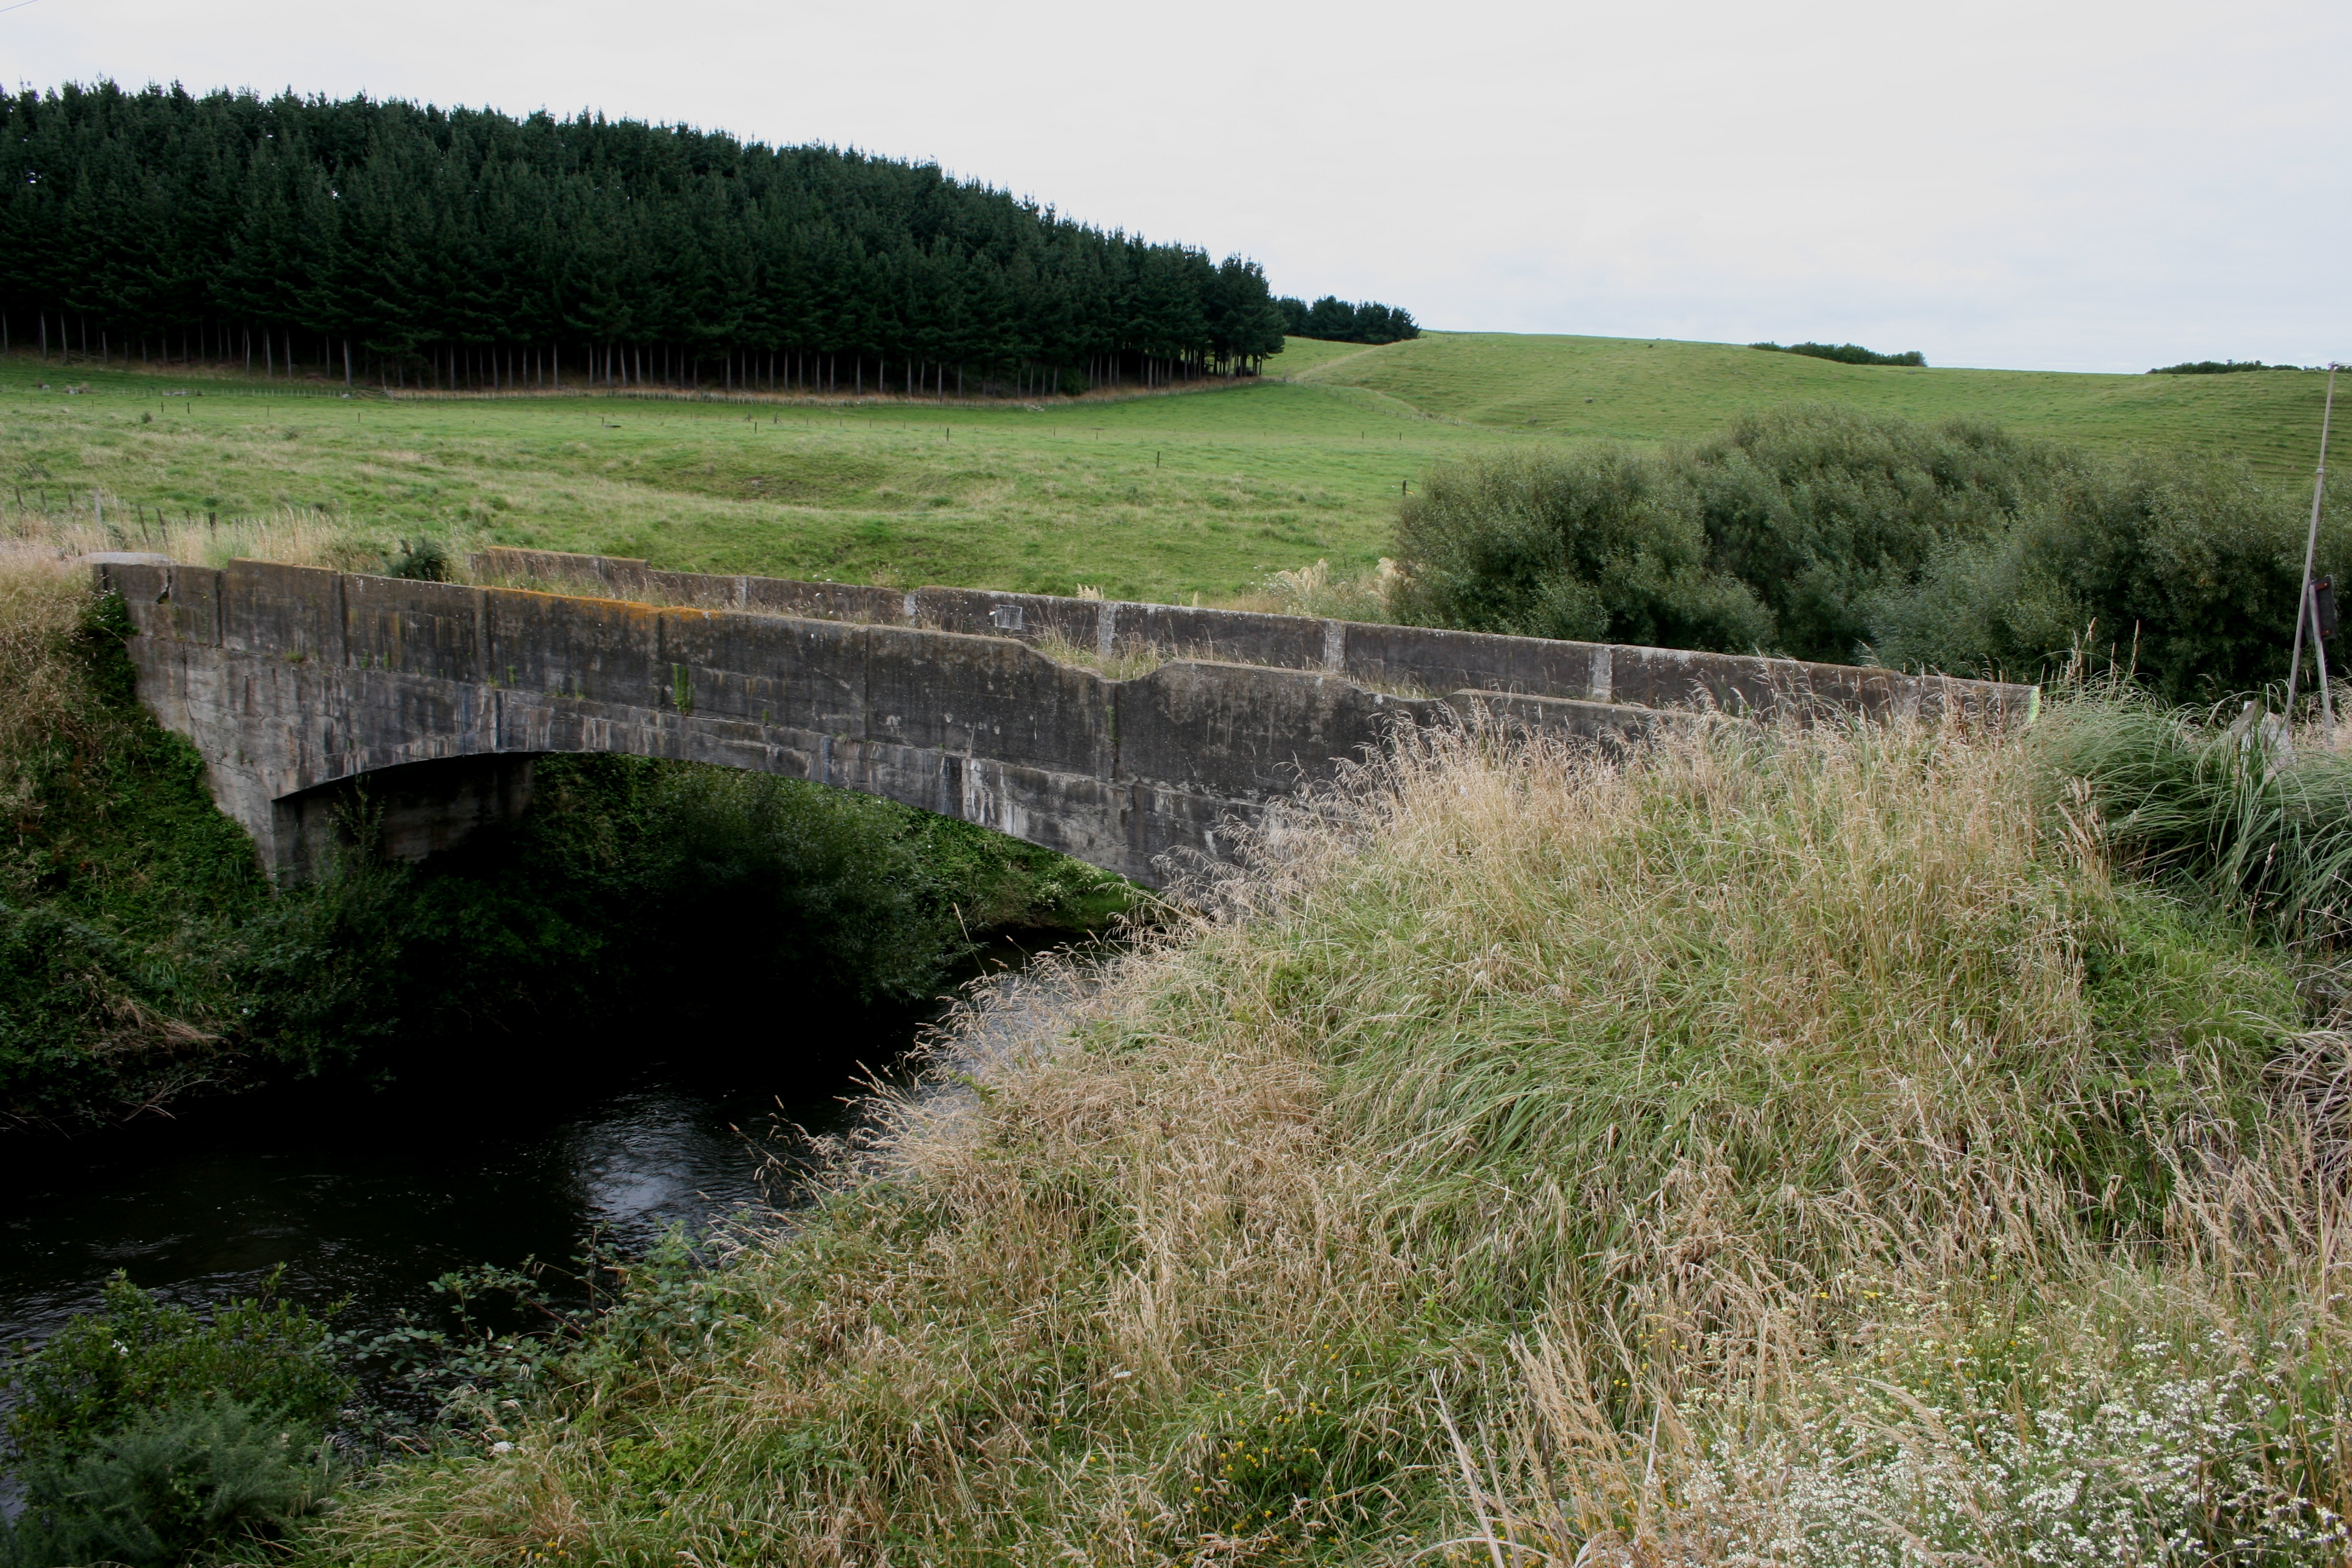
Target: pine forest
x,y
393,244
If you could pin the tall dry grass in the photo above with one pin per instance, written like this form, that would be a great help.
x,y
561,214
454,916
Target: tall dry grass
x,y
297,536
1775,1148
42,599
1317,590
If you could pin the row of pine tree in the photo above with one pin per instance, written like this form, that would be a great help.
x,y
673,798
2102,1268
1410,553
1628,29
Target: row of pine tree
x,y
1342,321
393,244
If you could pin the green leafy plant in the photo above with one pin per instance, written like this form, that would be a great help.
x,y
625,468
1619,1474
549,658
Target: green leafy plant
x,y
172,1485
146,1432
137,1354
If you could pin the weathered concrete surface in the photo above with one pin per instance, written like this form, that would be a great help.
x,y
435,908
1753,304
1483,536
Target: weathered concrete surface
x,y
303,687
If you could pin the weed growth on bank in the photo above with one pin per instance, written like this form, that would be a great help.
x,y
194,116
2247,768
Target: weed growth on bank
x,y
147,1434
1787,1146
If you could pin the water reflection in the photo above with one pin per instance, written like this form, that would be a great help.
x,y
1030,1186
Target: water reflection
x,y
370,1198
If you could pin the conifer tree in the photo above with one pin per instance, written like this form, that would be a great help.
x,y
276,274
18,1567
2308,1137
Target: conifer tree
x,y
463,248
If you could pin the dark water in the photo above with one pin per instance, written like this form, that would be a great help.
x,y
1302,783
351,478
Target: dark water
x,y
373,1197
368,1194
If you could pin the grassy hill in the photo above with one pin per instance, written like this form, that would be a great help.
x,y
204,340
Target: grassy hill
x,y
1158,498
1640,389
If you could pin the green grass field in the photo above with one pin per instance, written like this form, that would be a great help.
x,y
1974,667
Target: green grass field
x,y
1158,498
1643,390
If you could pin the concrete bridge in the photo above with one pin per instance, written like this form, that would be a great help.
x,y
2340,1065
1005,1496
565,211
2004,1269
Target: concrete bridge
x,y
301,685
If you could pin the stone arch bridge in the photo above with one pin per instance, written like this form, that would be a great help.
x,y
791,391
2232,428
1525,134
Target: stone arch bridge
x,y
298,684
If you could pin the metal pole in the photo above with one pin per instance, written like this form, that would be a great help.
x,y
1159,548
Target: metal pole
x,y
2319,662
2311,547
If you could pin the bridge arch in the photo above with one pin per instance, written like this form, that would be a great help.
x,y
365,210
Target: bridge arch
x,y
295,683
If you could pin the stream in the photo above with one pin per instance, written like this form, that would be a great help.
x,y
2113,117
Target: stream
x,y
367,1195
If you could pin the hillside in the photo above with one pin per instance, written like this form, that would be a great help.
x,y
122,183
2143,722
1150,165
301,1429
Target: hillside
x,y
1638,389
1160,497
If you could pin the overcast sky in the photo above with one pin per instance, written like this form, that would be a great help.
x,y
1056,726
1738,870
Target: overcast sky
x,y
2046,185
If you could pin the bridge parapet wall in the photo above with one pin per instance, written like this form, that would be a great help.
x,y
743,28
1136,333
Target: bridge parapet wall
x,y
1389,658
297,682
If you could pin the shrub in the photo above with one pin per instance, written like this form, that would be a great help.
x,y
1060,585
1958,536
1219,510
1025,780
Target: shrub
x,y
2182,569
425,560
1821,511
99,1372
1857,539
1601,543
169,1486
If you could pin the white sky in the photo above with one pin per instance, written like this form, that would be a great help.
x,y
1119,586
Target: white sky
x,y
2052,184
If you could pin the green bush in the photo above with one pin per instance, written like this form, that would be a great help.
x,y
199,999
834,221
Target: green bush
x,y
145,1433
99,1371
1821,511
424,560
2182,569
1821,534
173,1485
1600,544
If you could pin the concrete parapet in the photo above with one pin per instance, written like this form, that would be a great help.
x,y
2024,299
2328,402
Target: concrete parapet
x,y
1398,660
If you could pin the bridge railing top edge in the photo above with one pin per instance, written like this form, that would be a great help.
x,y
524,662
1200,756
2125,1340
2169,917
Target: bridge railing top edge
x,y
1428,659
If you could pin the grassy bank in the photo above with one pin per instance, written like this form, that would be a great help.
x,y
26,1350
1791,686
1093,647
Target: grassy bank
x,y
143,955
1807,1148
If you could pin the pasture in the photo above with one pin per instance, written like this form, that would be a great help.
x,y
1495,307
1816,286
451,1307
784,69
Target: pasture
x,y
1164,498
1640,389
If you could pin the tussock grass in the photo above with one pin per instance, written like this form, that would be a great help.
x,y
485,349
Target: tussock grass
x,y
1317,590
43,598
1776,1147
295,536
2231,805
